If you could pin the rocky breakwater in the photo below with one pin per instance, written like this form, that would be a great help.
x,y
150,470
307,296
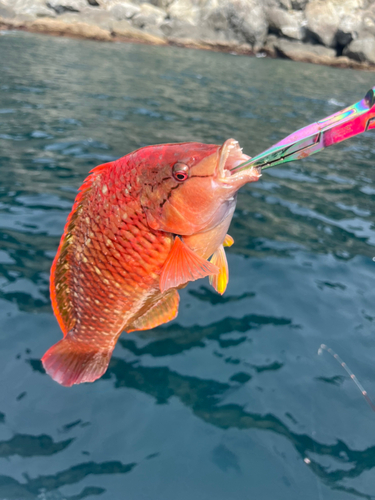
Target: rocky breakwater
x,y
332,32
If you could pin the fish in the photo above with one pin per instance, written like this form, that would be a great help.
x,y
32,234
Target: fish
x,y
140,229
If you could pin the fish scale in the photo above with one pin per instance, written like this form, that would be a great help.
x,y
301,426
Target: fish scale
x,y
116,261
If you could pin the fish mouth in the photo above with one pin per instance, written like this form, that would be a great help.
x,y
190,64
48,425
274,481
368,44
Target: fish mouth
x,y
231,156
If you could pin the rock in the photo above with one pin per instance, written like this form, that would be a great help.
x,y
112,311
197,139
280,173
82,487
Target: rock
x,y
270,45
333,22
6,11
149,16
124,10
177,31
291,23
299,4
345,62
287,4
368,22
185,10
304,52
96,17
278,4
362,50
163,4
233,48
60,6
27,9
124,30
108,4
248,21
276,27
218,20
75,29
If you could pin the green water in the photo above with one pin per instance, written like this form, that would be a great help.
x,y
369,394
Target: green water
x,y
231,400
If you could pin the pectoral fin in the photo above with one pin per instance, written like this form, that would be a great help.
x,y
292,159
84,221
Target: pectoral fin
x,y
220,281
163,311
183,265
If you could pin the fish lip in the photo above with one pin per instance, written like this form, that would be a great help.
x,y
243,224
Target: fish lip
x,y
230,157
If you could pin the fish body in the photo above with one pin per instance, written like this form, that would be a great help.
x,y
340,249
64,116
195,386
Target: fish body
x,y
140,228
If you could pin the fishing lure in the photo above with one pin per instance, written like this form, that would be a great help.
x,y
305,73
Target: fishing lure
x,y
309,140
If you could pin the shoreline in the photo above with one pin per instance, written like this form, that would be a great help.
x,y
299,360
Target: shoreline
x,y
85,31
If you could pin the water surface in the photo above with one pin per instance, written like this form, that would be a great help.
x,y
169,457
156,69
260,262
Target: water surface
x,y
230,400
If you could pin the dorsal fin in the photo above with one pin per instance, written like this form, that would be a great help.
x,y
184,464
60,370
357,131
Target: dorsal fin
x,y
183,265
163,311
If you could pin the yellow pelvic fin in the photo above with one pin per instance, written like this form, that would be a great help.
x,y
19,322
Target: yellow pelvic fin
x,y
228,241
220,281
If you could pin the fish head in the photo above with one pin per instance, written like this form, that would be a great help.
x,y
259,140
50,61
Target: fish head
x,y
190,188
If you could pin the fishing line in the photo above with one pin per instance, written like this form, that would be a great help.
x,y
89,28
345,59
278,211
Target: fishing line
x,y
322,348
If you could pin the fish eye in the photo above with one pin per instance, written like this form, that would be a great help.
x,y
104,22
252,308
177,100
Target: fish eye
x,y
180,172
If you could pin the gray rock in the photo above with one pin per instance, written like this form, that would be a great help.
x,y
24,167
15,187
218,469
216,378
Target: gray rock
x,y
185,10
70,26
278,4
334,21
368,22
93,16
247,19
124,10
176,28
179,31
6,11
124,30
243,21
108,4
290,24
362,50
27,9
149,16
61,6
270,44
308,52
299,4
218,20
163,4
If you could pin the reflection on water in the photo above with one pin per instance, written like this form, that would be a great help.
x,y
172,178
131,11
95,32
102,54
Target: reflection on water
x,y
204,397
179,413
29,446
44,484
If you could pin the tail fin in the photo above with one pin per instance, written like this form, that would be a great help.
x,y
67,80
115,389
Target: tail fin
x,y
70,362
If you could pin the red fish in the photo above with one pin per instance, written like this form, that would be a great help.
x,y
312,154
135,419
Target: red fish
x,y
141,227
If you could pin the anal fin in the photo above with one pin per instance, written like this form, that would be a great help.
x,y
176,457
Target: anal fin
x,y
183,265
163,311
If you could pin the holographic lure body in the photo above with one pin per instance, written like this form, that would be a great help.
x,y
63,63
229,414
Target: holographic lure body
x,y
309,140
